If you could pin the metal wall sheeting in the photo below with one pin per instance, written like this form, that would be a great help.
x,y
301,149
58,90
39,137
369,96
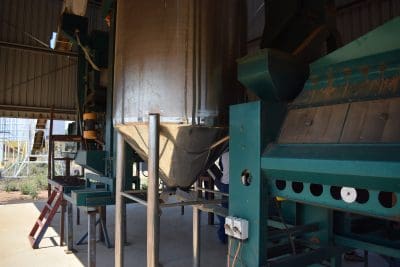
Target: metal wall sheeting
x,y
178,59
255,17
32,81
354,20
38,18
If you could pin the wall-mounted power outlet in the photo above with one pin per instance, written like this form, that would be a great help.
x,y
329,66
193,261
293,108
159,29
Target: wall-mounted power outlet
x,y
236,227
229,226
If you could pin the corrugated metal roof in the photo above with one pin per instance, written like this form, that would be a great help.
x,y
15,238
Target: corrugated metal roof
x,y
22,17
31,80
39,18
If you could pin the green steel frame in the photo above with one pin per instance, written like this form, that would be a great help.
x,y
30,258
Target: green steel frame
x,y
248,137
309,177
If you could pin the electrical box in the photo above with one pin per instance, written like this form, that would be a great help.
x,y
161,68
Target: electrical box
x,y
236,227
229,226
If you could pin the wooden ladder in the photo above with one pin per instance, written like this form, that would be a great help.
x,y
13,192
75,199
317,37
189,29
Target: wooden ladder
x,y
46,216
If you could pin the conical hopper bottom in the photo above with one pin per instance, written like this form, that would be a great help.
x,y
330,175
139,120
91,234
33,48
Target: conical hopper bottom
x,y
185,150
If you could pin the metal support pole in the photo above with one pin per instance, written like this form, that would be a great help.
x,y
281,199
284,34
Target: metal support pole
x,y
70,229
78,216
124,224
62,222
68,167
366,263
120,203
50,153
211,196
92,238
196,234
153,215
103,218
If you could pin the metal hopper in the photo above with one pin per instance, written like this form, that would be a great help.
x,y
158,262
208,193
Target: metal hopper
x,y
177,58
185,151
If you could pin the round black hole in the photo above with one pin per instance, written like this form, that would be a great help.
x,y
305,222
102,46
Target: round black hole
x,y
316,189
335,192
297,187
280,184
362,196
387,199
246,177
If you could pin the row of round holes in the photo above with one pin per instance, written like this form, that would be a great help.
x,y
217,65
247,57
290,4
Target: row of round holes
x,y
386,199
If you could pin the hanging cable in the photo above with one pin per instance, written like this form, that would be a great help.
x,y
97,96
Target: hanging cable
x,y
228,260
236,254
286,227
86,52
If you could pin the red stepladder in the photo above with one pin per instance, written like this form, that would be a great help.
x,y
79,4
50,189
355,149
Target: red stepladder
x,y
45,217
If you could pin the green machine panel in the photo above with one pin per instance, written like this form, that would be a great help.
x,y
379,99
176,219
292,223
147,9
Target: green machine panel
x,y
93,160
91,197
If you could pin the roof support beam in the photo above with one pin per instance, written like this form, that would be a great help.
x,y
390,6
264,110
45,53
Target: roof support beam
x,y
37,49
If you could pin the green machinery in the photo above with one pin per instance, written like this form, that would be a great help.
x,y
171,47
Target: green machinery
x,y
93,131
315,165
94,95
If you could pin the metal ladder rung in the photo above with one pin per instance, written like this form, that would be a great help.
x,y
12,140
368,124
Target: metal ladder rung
x,y
41,223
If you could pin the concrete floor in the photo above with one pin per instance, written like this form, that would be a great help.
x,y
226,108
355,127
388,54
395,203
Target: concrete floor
x,y
16,221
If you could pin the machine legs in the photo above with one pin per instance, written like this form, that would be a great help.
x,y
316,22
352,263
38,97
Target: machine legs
x,y
153,209
62,223
103,218
365,258
120,204
92,238
153,213
124,224
78,216
196,236
70,229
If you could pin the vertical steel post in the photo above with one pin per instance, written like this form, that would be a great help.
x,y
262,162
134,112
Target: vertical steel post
x,y
128,174
366,263
50,153
103,218
92,238
153,216
196,233
120,203
70,229
62,222
124,224
250,202
78,216
109,131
